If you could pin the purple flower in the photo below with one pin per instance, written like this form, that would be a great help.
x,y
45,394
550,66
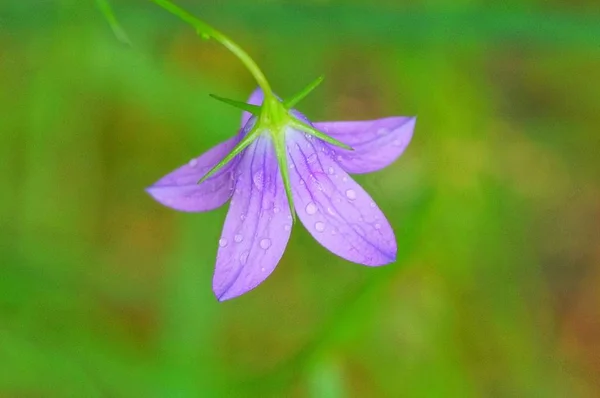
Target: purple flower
x,y
336,211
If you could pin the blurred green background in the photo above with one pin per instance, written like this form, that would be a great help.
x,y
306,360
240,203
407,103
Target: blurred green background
x,y
496,203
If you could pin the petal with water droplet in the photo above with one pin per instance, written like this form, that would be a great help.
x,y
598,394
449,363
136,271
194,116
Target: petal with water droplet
x,y
375,143
338,205
180,189
247,263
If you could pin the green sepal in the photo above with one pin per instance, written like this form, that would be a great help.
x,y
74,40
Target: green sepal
x,y
236,151
281,154
253,109
314,132
291,102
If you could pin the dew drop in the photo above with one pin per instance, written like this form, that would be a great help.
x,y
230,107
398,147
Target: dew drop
x,y
265,243
319,226
333,231
345,179
330,171
193,163
330,211
244,257
262,269
312,158
258,180
351,194
276,210
372,204
287,227
301,182
238,238
311,208
222,242
398,142
383,131
377,226
243,217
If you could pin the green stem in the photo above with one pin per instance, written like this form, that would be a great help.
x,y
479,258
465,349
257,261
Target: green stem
x,y
208,31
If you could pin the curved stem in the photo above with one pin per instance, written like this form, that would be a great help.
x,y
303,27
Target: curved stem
x,y
208,31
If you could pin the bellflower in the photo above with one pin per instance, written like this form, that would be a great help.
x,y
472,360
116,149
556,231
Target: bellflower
x,y
280,166
336,211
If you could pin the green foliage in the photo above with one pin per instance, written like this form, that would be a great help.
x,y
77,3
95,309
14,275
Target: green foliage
x,y
103,292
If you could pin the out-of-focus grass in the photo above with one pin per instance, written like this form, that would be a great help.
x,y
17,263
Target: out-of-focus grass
x,y
495,204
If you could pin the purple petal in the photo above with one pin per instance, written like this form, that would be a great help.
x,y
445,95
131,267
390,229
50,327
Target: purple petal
x,y
180,189
256,98
258,224
334,208
376,143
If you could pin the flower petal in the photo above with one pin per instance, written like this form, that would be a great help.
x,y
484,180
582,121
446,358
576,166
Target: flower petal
x,y
256,98
180,189
337,212
376,143
258,224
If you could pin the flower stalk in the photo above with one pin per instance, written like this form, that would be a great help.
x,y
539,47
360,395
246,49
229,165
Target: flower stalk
x,y
207,32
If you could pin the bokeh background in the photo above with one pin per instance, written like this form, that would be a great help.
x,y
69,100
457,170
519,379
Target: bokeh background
x,y
496,203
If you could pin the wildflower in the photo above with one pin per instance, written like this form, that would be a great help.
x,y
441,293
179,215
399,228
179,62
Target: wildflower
x,y
280,165
336,211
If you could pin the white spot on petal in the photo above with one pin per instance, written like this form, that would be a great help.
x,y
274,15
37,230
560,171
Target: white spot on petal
x,y
265,243
257,179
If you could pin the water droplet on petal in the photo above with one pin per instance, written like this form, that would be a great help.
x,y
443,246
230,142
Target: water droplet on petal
x,y
262,269
257,179
312,158
333,231
330,171
319,226
372,204
243,217
351,194
222,242
311,208
238,238
301,182
383,131
377,226
265,243
330,211
276,210
287,227
398,142
244,257
193,163
345,179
